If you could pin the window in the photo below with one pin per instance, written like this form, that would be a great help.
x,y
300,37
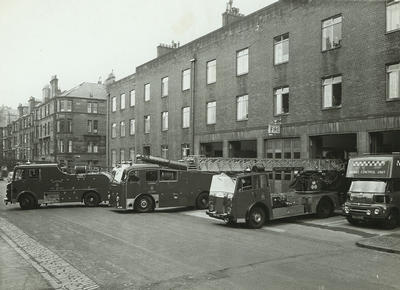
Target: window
x,y
61,146
393,79
146,150
89,123
122,128
132,154
281,49
122,101
331,33
245,183
69,146
186,117
242,108
132,98
166,175
164,151
152,175
164,121
33,173
68,126
185,150
211,71
332,92
92,107
132,127
186,79
90,147
58,126
211,112
164,87
147,92
95,126
95,148
281,100
113,158
122,155
114,104
64,106
242,62
113,130
392,15
283,148
147,124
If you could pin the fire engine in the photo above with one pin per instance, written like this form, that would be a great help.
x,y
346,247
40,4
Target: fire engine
x,y
36,184
374,193
249,197
158,183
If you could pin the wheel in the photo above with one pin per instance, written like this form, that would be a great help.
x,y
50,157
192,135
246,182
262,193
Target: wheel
x,y
392,220
324,208
256,218
144,204
91,199
202,201
27,201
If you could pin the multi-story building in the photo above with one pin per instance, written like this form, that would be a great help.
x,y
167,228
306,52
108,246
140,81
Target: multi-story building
x,y
66,127
296,79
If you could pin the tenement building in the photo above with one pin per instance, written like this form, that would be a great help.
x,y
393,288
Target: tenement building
x,y
296,79
66,127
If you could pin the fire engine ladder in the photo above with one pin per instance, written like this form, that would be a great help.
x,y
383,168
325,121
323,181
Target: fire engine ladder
x,y
240,164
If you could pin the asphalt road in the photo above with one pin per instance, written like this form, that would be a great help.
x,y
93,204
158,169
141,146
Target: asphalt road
x,y
87,248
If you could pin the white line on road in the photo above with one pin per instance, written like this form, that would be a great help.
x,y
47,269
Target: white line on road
x,y
58,272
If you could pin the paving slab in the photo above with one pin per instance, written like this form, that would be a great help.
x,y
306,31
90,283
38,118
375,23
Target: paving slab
x,y
385,243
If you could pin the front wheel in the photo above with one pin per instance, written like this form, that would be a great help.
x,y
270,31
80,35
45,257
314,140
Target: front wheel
x,y
27,201
324,208
256,218
91,199
144,204
392,220
202,201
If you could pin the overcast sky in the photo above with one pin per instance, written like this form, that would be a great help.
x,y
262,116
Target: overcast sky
x,y
82,40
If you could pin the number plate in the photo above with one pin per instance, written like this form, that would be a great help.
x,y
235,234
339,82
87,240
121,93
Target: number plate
x,y
357,217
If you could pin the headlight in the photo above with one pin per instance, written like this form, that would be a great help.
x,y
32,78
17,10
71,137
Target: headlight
x,y
368,212
346,209
350,198
377,211
210,207
230,195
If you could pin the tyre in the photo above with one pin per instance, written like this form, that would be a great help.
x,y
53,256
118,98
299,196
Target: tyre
x,y
91,199
392,220
144,204
27,201
202,200
324,208
256,218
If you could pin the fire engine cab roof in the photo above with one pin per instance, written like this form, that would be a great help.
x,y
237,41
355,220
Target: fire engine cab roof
x,y
143,166
37,165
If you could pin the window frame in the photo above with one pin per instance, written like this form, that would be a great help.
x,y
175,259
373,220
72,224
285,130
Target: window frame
x,y
237,108
113,130
164,121
184,77
393,3
147,92
183,117
214,112
281,41
122,129
397,98
132,121
147,124
237,61
164,87
214,67
333,47
323,107
132,96
122,101
113,104
281,95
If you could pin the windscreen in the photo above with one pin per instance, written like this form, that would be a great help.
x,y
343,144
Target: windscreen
x,y
118,174
369,186
223,183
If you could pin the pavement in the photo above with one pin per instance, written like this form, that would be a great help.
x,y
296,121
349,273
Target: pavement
x,y
386,243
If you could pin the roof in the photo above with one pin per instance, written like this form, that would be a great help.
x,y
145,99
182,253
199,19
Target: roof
x,y
87,90
143,166
37,165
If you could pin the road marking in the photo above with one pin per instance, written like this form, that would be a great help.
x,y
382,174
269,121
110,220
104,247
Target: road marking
x,y
267,228
58,272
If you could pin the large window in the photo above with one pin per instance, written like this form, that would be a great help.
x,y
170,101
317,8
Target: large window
x,y
147,92
113,157
392,15
242,62
393,80
61,146
332,92
122,129
122,155
64,106
89,126
283,148
114,130
331,32
242,108
122,101
164,151
164,121
186,79
114,104
281,48
132,154
211,71
132,98
69,146
132,127
186,117
147,124
211,112
95,126
92,107
281,101
164,87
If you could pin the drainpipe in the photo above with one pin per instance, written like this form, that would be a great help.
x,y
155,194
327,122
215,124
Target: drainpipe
x,y
107,132
192,96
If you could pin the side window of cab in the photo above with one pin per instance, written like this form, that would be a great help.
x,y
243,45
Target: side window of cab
x,y
19,174
245,183
396,185
151,176
133,176
167,175
33,174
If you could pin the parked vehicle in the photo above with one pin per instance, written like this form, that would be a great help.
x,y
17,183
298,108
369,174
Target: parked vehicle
x,y
36,184
144,187
247,197
374,193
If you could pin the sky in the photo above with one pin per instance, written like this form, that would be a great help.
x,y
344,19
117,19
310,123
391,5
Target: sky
x,y
83,40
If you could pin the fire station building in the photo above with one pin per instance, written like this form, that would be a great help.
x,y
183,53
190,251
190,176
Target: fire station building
x,y
296,79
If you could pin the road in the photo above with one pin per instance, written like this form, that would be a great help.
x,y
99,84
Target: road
x,y
75,247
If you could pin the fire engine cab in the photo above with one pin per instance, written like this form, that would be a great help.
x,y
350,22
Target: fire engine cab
x,y
247,197
374,193
36,184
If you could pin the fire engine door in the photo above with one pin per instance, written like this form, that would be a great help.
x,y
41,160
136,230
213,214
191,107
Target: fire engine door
x,y
246,193
133,186
171,189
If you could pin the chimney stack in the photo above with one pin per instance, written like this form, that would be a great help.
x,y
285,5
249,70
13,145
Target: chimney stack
x,y
54,86
32,104
166,48
20,110
231,14
46,93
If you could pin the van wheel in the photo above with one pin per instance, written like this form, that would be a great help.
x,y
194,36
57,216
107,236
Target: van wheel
x,y
27,201
91,199
144,204
202,200
256,218
392,220
324,208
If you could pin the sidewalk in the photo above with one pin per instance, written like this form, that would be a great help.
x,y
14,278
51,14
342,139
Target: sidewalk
x,y
386,243
15,272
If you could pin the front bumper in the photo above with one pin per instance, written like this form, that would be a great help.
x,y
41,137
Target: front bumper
x,y
364,212
6,201
220,216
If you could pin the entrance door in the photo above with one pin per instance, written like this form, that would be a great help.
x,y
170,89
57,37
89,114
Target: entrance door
x,y
385,142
